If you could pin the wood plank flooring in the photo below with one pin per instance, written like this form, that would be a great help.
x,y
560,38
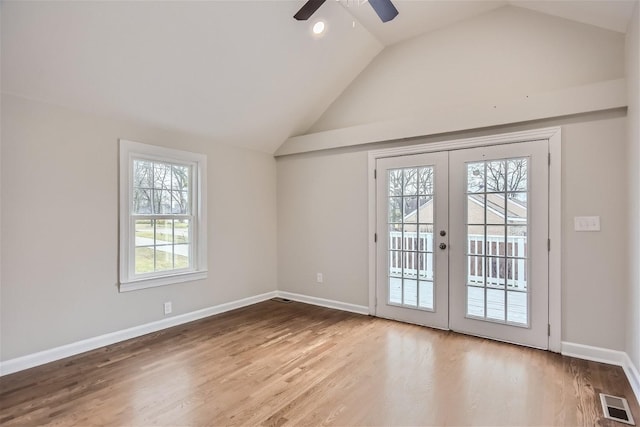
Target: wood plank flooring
x,y
294,364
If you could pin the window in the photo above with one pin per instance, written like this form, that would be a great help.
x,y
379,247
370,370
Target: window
x,y
162,216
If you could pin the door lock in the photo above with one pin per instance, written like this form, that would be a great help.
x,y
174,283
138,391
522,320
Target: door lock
x,y
443,233
443,246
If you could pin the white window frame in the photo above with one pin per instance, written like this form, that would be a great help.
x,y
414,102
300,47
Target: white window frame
x,y
130,151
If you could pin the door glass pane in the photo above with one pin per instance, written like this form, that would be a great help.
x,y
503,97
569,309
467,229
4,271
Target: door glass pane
x,y
425,181
411,292
426,238
495,304
475,177
517,307
476,208
517,174
475,301
410,187
410,213
497,246
426,294
395,290
410,236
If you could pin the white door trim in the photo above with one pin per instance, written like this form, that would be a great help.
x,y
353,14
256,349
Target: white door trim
x,y
553,135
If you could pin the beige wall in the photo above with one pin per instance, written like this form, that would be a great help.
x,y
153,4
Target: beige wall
x,y
493,59
633,128
60,235
506,53
322,225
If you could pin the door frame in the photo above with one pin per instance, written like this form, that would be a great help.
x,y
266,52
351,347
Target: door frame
x,y
554,136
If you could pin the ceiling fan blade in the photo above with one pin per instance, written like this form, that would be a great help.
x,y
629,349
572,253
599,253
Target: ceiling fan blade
x,y
308,9
384,8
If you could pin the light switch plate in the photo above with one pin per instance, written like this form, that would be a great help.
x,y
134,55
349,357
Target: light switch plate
x,y
586,223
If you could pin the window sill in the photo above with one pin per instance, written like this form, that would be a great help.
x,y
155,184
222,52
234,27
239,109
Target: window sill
x,y
135,285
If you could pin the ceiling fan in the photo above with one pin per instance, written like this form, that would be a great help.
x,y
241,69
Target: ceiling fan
x,y
384,8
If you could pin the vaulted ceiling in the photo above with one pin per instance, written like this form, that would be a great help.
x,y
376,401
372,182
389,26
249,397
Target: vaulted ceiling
x,y
240,72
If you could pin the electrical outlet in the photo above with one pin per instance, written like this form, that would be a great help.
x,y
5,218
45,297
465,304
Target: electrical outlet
x,y
167,307
319,278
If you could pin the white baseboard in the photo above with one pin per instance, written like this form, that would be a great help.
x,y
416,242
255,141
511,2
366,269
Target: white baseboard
x,y
46,356
605,355
338,305
595,354
632,375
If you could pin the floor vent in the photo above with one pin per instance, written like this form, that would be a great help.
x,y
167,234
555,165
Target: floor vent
x,y
278,299
616,408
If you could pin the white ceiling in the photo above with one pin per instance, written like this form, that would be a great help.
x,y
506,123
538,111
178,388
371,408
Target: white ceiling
x,y
416,17
240,72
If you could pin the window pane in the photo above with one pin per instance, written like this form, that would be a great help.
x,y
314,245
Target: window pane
x,y
180,178
475,301
425,181
144,232
425,264
409,265
426,295
395,290
495,209
395,236
179,202
495,304
475,270
517,307
164,257
475,177
410,182
164,232
496,267
410,239
517,274
410,292
142,174
181,256
517,175
141,201
475,239
395,263
161,176
517,208
496,172
144,260
425,213
475,208
181,231
395,209
410,205
425,238
395,182
517,241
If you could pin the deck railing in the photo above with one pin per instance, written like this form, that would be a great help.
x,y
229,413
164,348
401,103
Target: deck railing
x,y
488,259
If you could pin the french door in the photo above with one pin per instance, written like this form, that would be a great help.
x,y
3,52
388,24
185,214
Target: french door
x,y
462,241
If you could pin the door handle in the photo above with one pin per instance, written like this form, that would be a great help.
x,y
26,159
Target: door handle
x,y
443,246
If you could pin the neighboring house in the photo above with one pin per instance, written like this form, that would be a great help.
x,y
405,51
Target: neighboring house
x,y
506,220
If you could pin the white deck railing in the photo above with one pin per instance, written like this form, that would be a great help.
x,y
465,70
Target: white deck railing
x,y
488,257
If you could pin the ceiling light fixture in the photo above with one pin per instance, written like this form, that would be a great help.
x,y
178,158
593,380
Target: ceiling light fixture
x,y
318,28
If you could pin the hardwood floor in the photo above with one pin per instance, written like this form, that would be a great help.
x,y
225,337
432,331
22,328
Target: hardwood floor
x,y
295,364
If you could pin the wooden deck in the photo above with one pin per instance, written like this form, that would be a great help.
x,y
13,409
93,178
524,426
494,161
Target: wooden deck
x,y
293,364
